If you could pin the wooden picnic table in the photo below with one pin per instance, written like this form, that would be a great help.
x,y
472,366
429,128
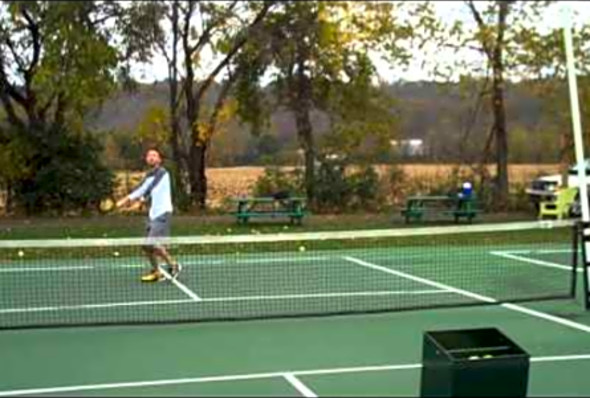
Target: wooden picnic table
x,y
449,205
268,206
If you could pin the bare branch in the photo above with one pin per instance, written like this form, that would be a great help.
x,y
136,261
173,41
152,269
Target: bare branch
x,y
36,38
9,89
10,112
17,58
237,46
220,101
208,31
481,24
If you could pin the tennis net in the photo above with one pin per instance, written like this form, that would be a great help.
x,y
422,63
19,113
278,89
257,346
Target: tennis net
x,y
97,281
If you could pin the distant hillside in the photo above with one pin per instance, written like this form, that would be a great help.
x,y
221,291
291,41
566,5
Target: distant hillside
x,y
426,110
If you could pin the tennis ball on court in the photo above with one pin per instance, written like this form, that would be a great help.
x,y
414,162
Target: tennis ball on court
x,y
228,230
116,254
21,253
301,248
488,356
473,357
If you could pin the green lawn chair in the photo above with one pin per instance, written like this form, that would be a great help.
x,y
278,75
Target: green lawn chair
x,y
559,208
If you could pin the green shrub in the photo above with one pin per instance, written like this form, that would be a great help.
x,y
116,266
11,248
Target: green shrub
x,y
67,175
276,179
338,189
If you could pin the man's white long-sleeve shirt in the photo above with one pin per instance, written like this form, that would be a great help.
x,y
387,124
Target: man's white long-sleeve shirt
x,y
156,186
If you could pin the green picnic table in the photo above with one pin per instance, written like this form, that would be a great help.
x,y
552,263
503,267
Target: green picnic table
x,y
448,205
271,207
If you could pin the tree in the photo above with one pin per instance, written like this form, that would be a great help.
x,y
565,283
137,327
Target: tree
x,y
544,60
57,61
502,35
200,29
315,50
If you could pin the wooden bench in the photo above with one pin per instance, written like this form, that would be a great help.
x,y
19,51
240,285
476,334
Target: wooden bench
x,y
269,207
450,205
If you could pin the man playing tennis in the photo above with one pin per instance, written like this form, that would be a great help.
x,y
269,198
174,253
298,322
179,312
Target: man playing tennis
x,y
156,187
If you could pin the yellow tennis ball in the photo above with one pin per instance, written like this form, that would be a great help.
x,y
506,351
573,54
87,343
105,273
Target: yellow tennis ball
x,y
21,253
116,254
473,357
301,248
488,356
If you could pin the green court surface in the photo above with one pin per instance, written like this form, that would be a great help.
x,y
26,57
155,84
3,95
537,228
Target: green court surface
x,y
348,355
363,354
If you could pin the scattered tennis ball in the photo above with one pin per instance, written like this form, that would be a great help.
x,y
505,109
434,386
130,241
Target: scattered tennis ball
x,y
229,230
488,356
473,357
21,253
116,254
301,248
285,227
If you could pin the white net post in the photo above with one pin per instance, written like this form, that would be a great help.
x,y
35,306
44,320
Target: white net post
x,y
567,19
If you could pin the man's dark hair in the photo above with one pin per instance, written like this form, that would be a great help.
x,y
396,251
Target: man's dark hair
x,y
155,149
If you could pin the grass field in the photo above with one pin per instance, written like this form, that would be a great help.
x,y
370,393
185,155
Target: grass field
x,y
113,226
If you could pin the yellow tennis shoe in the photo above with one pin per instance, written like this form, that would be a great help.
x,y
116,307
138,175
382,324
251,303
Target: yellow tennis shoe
x,y
153,276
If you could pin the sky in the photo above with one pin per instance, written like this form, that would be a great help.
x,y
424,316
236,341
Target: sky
x,y
448,12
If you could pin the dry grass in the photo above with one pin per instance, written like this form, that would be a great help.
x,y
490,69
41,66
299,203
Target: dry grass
x,y
521,173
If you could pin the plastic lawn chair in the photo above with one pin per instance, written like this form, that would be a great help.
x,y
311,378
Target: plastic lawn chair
x,y
559,208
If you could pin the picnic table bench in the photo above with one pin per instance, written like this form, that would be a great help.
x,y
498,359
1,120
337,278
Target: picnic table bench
x,y
268,206
448,205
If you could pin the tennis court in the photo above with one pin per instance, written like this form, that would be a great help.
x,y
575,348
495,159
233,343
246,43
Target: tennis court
x,y
292,279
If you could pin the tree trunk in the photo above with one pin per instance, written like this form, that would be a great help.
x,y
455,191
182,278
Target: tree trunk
x,y
499,111
196,164
198,177
180,173
304,132
8,203
302,107
501,139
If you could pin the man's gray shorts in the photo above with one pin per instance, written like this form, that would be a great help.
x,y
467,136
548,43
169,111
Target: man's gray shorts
x,y
158,228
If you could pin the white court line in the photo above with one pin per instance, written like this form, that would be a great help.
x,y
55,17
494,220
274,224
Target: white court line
x,y
439,286
536,251
543,315
250,376
92,306
299,386
542,263
479,297
42,269
198,263
218,299
326,295
179,285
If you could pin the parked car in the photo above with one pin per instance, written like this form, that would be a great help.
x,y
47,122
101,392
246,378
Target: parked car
x,y
544,187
